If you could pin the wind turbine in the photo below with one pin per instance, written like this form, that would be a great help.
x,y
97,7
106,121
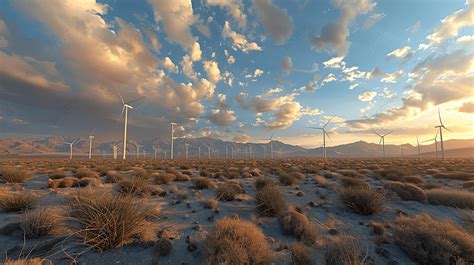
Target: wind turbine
x,y
91,136
70,147
441,126
172,139
187,149
436,143
271,144
382,140
125,108
418,146
323,129
115,151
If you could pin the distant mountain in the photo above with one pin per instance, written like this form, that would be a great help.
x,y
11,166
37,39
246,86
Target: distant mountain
x,y
219,148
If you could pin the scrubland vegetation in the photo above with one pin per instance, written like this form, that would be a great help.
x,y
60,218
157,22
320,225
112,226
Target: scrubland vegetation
x,y
281,211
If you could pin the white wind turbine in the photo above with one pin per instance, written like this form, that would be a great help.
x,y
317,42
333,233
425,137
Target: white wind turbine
x,y
186,146
172,139
418,147
271,143
115,151
382,140
126,107
70,147
435,139
441,126
323,129
91,136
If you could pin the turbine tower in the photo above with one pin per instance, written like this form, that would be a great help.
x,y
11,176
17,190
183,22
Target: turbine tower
x,y
115,151
125,108
70,147
382,140
323,129
441,127
435,139
271,143
418,147
172,139
187,149
91,136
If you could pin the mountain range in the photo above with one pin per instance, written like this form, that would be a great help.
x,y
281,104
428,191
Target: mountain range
x,y
51,146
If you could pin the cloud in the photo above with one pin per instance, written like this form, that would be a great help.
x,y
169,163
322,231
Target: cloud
x,y
195,52
372,19
187,66
257,73
234,7
451,25
221,117
335,62
467,107
230,58
367,96
333,37
392,77
239,42
276,21
242,138
286,64
168,64
404,53
212,70
415,27
467,40
177,19
329,78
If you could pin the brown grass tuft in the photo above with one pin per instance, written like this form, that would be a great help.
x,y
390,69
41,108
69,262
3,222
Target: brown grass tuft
x,y
163,178
364,201
85,173
40,222
455,175
14,175
262,182
301,254
429,241
297,224
455,198
343,250
16,202
33,261
406,191
203,183
270,201
227,191
235,241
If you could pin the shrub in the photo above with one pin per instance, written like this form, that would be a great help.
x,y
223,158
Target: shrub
x,y
455,175
18,201
468,184
104,221
182,177
364,201
163,178
210,204
287,179
39,222
14,175
406,191
414,179
297,224
227,191
455,198
67,182
33,261
135,186
235,241
429,241
270,201
203,183
263,182
322,181
393,174
85,173
113,177
298,175
342,250
301,254
58,175
351,182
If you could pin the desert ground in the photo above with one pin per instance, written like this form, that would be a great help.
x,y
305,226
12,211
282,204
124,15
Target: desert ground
x,y
280,211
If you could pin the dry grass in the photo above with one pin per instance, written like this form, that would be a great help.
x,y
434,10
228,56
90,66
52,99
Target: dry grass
x,y
40,222
17,201
455,198
262,182
270,201
301,254
287,179
163,178
14,175
468,184
297,224
429,241
104,221
209,203
113,177
406,191
322,181
203,183
134,186
364,201
352,182
343,250
235,241
455,175
227,191
33,261
85,173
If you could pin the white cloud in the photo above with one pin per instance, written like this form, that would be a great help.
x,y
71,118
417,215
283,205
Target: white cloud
x,y
196,52
335,62
234,7
257,72
329,78
168,64
187,66
239,42
392,77
221,117
230,58
286,64
372,19
403,53
367,96
212,70
276,21
466,40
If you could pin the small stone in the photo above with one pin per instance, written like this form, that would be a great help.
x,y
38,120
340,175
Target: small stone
x,y
300,194
312,204
333,232
192,247
170,234
198,228
361,223
163,246
210,218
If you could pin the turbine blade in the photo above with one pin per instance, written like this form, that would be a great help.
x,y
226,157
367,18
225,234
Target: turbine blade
x,y
118,92
120,118
92,132
447,129
328,121
436,136
272,135
388,133
376,132
135,100
327,135
316,128
439,115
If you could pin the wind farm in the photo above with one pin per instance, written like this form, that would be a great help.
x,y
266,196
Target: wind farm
x,y
257,132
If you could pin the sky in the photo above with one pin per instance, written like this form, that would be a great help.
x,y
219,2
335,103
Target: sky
x,y
238,70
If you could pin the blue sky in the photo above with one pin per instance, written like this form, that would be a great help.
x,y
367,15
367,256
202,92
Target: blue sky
x,y
237,70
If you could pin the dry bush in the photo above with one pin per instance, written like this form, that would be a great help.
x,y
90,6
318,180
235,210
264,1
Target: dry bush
x,y
209,203
298,175
262,182
40,222
235,241
468,184
455,175
67,182
364,201
378,227
227,191
85,173
393,174
113,177
17,201
203,183
182,177
135,186
351,182
287,179
163,178
322,181
455,198
58,175
429,241
297,224
343,250
104,221
27,261
270,201
14,175
414,179
301,254
406,191
348,172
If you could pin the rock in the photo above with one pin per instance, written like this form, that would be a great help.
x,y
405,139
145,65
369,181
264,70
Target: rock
x,y
198,228
333,232
170,234
382,252
300,194
210,218
312,204
192,247
163,246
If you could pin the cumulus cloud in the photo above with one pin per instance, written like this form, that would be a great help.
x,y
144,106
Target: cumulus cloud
x,y
404,53
241,138
196,52
367,96
212,70
467,40
177,19
286,64
333,37
276,21
451,25
168,64
239,42
234,7
372,19
221,117
467,107
392,77
230,58
187,66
